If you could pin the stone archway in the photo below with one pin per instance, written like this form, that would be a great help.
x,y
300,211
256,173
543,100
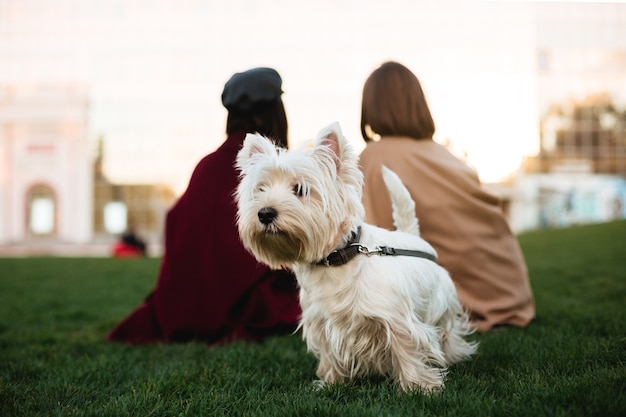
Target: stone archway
x,y
41,211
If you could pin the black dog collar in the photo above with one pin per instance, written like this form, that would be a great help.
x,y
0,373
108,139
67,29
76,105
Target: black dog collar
x,y
344,255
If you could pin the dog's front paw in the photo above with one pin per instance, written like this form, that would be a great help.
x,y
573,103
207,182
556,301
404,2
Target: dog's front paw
x,y
318,384
426,380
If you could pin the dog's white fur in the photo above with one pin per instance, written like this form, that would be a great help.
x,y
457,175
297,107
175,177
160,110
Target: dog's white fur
x,y
396,316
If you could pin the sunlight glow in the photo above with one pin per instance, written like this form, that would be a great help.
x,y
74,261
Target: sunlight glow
x,y
155,70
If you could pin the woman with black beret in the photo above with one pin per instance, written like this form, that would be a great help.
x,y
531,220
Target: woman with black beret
x,y
209,288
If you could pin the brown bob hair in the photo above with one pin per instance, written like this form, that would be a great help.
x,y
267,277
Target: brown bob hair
x,y
394,105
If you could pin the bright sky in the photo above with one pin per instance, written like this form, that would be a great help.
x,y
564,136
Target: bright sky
x,y
156,69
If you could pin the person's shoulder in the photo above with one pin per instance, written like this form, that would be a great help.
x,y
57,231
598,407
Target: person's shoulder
x,y
398,146
224,154
214,166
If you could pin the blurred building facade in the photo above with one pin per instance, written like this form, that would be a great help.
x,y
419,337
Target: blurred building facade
x,y
52,187
579,172
587,136
146,76
117,207
45,169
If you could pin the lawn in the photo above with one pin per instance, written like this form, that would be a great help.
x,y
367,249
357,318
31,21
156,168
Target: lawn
x,y
55,312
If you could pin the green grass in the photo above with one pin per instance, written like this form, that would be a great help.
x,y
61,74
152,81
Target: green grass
x,y
55,312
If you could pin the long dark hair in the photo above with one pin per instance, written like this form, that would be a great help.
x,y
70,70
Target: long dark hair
x,y
267,118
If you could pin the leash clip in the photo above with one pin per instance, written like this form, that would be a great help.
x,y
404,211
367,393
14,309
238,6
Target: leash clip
x,y
384,250
380,250
367,252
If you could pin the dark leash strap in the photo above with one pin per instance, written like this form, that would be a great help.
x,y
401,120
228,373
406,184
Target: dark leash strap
x,y
353,248
385,251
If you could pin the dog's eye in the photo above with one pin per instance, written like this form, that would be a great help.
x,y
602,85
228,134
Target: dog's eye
x,y
299,190
261,188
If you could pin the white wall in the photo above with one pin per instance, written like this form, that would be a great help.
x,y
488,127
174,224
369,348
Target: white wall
x,y
43,140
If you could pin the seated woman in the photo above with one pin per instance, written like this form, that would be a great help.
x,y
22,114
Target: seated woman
x,y
457,216
209,287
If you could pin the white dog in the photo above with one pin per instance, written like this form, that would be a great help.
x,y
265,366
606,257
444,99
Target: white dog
x,y
374,302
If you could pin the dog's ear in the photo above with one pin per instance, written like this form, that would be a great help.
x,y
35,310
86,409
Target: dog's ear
x,y
254,144
332,138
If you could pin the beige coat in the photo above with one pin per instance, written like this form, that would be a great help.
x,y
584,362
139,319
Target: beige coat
x,y
461,220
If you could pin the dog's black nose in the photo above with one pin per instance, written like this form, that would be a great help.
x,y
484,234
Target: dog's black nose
x,y
267,215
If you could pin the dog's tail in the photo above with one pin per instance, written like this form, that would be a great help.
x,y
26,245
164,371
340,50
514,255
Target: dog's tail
x,y
404,218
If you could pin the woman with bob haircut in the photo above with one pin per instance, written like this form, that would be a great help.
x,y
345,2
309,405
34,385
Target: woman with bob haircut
x,y
457,216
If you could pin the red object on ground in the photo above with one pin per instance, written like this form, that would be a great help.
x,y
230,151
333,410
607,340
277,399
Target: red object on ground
x,y
122,250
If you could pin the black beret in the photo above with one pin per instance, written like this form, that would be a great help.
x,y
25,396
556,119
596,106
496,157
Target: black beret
x,y
246,89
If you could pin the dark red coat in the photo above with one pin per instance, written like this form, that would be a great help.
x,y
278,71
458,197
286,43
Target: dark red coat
x,y
209,287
